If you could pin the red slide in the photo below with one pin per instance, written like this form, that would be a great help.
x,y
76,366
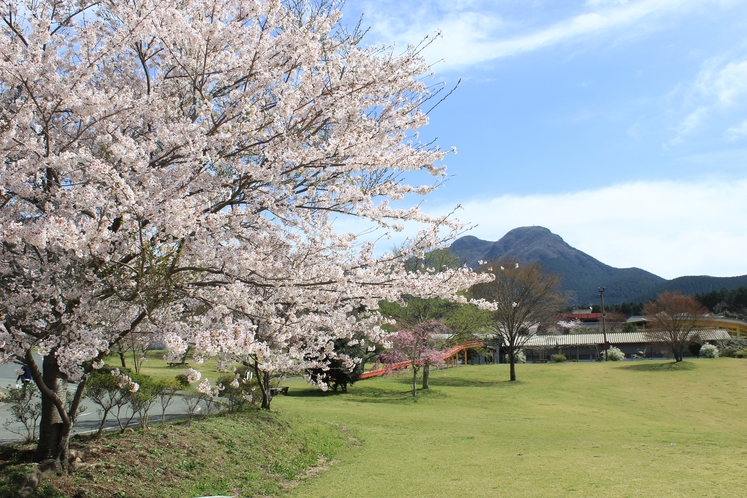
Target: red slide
x,y
453,351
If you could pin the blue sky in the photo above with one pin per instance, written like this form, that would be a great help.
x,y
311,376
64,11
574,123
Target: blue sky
x,y
619,125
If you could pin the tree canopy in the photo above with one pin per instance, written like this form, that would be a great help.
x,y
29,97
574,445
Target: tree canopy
x,y
173,170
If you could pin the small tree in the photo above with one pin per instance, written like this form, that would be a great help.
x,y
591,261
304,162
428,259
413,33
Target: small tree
x,y
522,300
418,347
167,393
674,320
25,407
111,389
103,389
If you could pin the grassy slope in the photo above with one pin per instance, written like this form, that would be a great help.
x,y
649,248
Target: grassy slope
x,y
251,454
574,429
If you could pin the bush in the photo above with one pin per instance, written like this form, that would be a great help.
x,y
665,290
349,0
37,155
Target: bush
x,y
615,354
182,380
742,353
520,357
708,351
558,358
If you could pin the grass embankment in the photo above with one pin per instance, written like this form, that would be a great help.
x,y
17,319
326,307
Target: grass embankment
x,y
251,454
574,429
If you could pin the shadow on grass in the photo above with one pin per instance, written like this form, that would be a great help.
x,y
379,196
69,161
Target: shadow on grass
x,y
311,393
463,382
358,393
671,366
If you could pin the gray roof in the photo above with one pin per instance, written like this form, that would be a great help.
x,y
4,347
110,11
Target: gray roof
x,y
613,338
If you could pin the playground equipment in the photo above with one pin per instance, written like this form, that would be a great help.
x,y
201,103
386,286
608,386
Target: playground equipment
x,y
450,357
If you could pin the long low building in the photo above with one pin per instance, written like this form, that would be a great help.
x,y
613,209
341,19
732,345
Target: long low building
x,y
590,346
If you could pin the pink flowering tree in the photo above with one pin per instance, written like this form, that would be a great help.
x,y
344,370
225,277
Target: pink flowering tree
x,y
417,346
173,171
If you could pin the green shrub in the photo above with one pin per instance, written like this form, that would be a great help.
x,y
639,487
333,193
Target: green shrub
x,y
708,351
182,380
742,353
558,358
615,354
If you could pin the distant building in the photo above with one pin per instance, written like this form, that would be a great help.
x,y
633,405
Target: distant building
x,y
591,346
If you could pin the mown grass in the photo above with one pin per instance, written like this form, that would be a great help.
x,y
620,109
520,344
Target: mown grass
x,y
575,429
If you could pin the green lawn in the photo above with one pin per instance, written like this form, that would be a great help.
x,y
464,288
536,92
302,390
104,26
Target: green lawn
x,y
156,367
574,429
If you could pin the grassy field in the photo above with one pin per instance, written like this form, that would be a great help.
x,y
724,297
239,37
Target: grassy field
x,y
574,429
643,428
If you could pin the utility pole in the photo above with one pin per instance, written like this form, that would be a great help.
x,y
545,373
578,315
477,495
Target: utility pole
x,y
604,323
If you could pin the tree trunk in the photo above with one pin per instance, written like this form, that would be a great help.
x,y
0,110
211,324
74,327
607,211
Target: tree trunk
x,y
55,425
677,353
426,375
263,379
512,364
414,382
122,359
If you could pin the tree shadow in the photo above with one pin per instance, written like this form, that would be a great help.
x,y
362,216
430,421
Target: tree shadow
x,y
308,392
357,393
462,382
377,395
671,366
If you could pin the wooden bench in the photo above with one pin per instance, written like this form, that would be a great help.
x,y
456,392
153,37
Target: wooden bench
x,y
274,391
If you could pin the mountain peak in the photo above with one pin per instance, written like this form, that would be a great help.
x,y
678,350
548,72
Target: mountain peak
x,y
580,273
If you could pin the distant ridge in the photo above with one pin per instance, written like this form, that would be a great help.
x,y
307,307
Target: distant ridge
x,y
580,273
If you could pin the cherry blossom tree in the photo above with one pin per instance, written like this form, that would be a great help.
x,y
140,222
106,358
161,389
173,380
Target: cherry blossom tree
x,y
174,170
418,347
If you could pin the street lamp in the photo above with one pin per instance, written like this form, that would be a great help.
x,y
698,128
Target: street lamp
x,y
604,323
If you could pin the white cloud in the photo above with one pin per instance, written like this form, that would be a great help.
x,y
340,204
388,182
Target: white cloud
x,y
719,89
668,228
724,83
475,32
737,132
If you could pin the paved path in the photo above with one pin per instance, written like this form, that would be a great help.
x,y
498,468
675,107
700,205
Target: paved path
x,y
88,421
